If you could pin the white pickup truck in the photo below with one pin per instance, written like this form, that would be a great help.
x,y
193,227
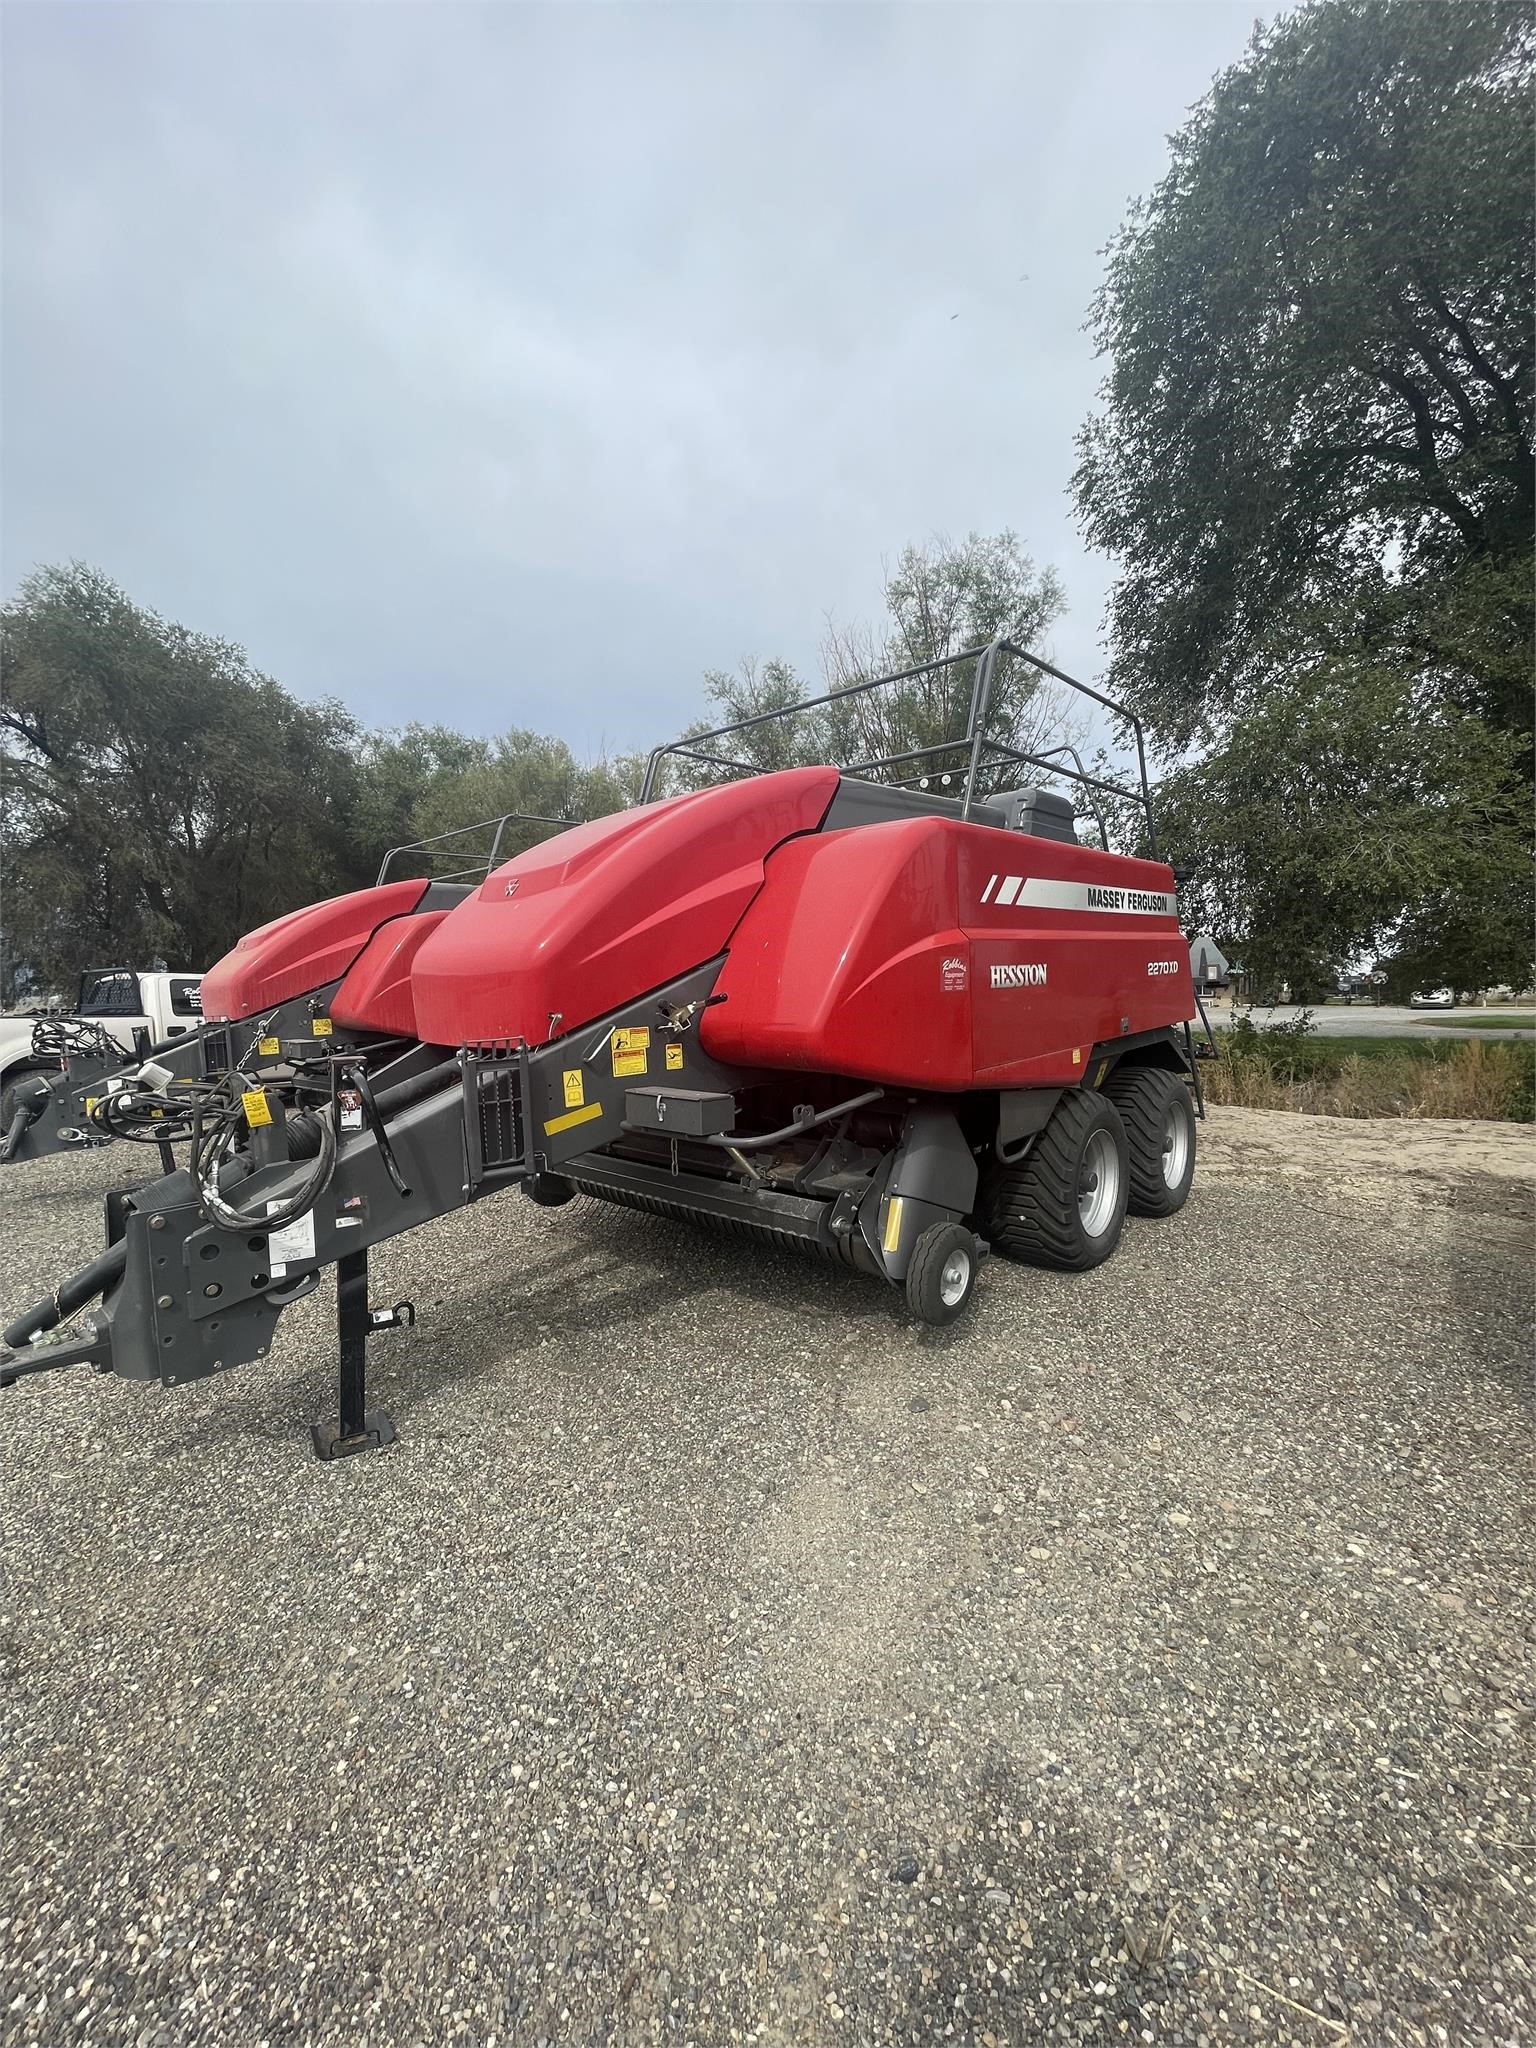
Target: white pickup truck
x,y
120,1004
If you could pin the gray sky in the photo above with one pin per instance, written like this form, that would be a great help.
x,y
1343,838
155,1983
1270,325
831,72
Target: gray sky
x,y
513,364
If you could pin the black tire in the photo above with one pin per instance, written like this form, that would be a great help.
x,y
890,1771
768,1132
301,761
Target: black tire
x,y
1053,1208
1159,1120
941,1278
548,1190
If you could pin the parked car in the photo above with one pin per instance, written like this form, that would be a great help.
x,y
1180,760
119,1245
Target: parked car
x,y
1433,999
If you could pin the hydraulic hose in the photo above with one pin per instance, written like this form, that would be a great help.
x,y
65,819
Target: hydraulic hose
x,y
213,1146
55,1038
70,1296
389,1101
12,1137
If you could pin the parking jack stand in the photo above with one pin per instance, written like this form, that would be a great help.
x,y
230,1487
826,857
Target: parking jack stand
x,y
356,1428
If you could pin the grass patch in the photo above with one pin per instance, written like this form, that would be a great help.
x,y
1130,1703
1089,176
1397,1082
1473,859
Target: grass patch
x,y
1511,1020
1289,1066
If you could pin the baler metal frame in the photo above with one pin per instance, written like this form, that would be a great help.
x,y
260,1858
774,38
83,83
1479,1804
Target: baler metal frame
x,y
981,751
435,845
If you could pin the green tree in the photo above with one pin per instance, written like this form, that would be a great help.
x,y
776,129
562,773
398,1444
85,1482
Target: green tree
x,y
1344,817
1313,456
425,780
940,600
161,796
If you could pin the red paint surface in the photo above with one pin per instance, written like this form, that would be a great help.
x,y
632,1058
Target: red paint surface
x,y
598,915
868,953
301,951
376,995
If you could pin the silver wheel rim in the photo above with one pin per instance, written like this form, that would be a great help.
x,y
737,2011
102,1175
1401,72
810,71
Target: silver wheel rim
x,y
1098,1184
955,1278
1175,1145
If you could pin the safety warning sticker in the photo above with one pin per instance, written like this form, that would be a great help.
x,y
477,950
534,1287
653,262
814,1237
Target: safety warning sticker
x,y
674,1058
293,1244
320,1026
631,1050
269,1048
575,1087
258,1110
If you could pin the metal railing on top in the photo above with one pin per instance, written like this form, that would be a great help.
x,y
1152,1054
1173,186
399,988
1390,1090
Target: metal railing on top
x,y
982,757
451,846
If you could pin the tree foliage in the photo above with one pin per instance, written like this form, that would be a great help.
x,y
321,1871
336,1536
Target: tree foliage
x,y
1320,332
1313,462
941,599
161,796
1346,817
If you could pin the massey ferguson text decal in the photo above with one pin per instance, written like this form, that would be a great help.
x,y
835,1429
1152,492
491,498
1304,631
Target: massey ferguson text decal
x,y
1049,895
1026,974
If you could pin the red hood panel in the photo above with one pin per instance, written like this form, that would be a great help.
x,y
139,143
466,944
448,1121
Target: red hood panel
x,y
301,951
595,916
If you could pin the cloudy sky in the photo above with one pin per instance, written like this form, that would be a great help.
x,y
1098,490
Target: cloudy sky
x,y
512,364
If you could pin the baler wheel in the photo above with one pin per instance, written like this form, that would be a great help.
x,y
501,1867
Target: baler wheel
x,y
942,1276
1064,1205
1159,1121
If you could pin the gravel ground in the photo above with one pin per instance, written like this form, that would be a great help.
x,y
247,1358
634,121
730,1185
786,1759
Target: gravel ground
x,y
719,1657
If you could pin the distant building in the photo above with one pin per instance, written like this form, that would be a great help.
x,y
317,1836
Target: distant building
x,y
1207,962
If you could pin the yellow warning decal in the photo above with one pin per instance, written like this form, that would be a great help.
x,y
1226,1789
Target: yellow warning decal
x,y
631,1050
575,1089
269,1047
257,1109
320,1026
571,1118
674,1058
892,1236
90,1103
1098,1079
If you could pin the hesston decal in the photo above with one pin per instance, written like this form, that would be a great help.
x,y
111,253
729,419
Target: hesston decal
x,y
1021,974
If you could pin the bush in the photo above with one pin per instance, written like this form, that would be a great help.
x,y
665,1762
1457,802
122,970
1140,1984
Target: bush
x,y
1286,1067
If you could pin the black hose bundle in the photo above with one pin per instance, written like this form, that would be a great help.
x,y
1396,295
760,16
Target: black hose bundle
x,y
143,1115
219,1124
55,1038
211,1117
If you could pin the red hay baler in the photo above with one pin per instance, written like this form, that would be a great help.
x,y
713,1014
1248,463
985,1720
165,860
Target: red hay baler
x,y
875,1013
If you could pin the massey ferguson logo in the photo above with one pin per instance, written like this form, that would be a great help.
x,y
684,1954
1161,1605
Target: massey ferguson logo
x,y
1027,974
